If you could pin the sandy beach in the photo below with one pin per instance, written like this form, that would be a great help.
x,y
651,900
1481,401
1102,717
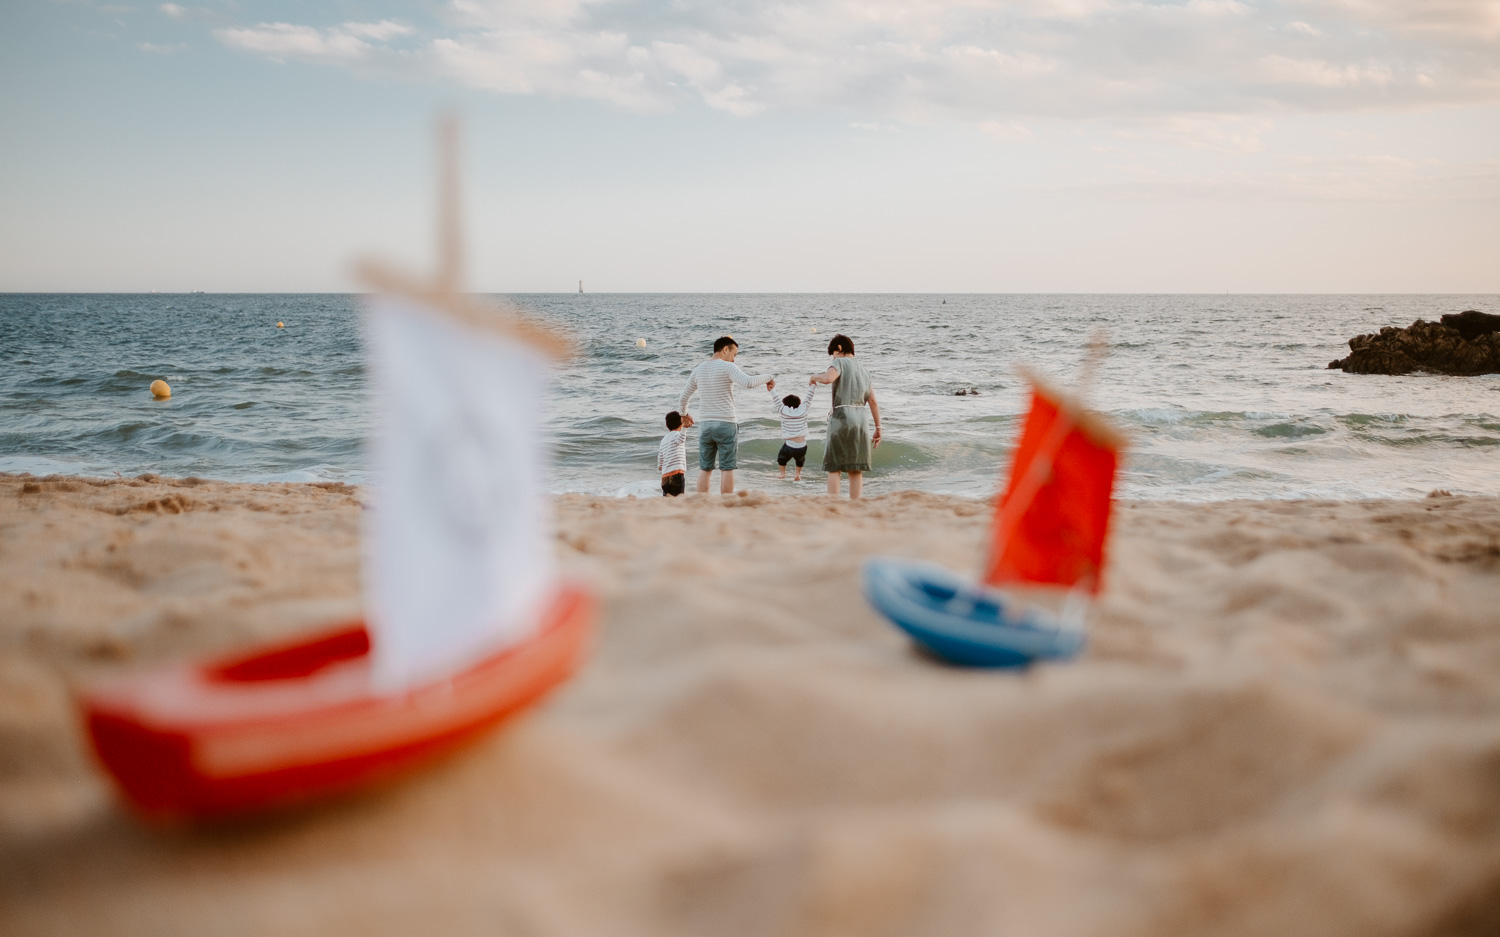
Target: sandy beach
x,y
1287,722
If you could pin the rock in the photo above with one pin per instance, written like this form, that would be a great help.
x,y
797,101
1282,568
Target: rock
x,y
1471,323
1465,343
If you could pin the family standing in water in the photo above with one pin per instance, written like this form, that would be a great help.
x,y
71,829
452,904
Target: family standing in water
x,y
853,423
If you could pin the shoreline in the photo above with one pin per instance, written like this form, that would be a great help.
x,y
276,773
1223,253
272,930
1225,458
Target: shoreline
x,y
1287,720
810,487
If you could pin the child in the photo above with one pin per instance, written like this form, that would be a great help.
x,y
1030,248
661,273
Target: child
x,y
793,413
671,457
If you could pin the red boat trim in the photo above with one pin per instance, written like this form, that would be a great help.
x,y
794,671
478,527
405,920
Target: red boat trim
x,y
373,725
300,721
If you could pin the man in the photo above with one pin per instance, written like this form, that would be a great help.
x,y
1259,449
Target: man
x,y
714,381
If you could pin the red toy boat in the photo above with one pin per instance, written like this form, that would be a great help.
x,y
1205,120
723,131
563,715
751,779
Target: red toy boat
x,y
458,577
300,721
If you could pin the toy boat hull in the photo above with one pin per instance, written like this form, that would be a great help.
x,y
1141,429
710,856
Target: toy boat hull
x,y
964,622
301,721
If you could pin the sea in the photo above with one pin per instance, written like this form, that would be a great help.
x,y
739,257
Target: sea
x,y
1222,397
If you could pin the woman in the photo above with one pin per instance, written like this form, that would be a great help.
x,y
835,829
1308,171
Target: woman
x,y
849,438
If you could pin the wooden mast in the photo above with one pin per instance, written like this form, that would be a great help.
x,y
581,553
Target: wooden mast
x,y
442,293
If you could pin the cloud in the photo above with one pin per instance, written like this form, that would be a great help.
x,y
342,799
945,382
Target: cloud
x,y
182,13
1007,131
1317,73
1225,133
1370,178
341,45
1479,19
383,31
1004,61
151,48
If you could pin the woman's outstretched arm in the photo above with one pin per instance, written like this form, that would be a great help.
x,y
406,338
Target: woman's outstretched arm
x,y
827,377
875,412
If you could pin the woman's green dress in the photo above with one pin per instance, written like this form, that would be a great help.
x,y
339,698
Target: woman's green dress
x,y
848,447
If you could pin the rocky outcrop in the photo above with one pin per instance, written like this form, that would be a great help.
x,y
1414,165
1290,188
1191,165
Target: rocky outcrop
x,y
1462,343
1471,323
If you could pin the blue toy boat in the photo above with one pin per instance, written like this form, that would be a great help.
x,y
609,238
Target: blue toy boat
x,y
1048,536
965,622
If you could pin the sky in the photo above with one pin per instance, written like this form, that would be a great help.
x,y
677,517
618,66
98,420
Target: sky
x,y
942,146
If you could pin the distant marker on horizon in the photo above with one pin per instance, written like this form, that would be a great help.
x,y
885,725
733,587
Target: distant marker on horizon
x,y
580,286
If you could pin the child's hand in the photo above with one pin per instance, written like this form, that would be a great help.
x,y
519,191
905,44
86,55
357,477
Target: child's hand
x,y
686,420
771,384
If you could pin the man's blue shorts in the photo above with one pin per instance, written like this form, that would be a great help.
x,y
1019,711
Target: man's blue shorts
x,y
717,438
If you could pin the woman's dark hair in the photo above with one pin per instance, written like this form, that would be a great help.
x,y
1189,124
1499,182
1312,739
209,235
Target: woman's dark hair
x,y
841,343
792,400
674,420
722,343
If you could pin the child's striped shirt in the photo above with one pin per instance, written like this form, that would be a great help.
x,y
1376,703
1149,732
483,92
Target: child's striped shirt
x,y
671,455
793,419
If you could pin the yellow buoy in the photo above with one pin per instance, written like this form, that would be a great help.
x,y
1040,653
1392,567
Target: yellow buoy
x,y
160,389
281,325
640,343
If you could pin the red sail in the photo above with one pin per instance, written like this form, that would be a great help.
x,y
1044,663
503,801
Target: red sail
x,y
1051,523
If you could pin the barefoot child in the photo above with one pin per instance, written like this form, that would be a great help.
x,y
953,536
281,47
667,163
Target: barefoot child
x,y
671,457
793,412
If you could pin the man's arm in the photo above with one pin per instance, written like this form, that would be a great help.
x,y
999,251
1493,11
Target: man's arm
x,y
687,392
745,380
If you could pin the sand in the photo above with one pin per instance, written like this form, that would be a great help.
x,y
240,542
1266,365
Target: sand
x,y
1287,722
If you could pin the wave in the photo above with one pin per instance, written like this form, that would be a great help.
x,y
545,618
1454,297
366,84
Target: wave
x,y
1290,430
1369,419
1434,440
623,350
1155,416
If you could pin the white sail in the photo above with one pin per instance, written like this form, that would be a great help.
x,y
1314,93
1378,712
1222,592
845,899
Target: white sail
x,y
458,538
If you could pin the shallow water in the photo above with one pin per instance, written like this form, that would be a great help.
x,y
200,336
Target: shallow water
x,y
1224,396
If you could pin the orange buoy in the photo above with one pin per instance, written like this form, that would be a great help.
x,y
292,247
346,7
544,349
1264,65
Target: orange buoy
x,y
160,389
281,325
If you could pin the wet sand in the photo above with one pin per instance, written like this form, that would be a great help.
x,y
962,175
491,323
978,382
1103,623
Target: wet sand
x,y
1287,722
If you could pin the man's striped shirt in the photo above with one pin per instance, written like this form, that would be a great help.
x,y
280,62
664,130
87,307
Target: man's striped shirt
x,y
714,381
